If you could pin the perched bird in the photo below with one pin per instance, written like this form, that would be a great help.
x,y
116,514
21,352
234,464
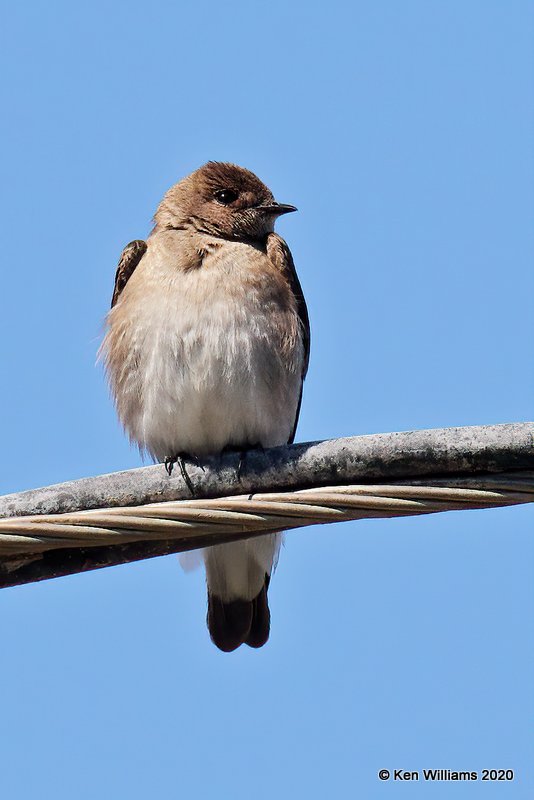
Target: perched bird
x,y
206,349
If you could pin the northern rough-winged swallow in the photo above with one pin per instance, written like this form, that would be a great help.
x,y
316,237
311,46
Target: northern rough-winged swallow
x,y
206,349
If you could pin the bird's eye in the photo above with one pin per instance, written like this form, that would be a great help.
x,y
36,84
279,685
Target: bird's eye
x,y
226,196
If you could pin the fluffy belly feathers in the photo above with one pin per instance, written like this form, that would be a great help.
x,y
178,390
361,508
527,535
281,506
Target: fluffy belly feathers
x,y
202,366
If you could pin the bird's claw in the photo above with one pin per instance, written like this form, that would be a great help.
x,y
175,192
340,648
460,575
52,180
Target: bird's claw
x,y
243,452
169,464
180,459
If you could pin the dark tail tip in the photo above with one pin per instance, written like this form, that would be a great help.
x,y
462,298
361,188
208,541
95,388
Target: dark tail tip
x,y
229,623
261,618
240,621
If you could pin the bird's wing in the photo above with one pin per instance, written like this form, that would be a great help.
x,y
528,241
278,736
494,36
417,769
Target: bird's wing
x,y
130,258
280,255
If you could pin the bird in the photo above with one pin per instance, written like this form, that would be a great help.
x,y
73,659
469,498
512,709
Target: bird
x,y
206,349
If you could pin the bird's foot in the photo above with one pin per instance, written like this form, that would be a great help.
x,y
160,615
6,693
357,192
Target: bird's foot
x,y
180,459
243,451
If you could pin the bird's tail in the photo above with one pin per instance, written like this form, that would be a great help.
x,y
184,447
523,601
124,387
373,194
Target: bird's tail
x,y
238,576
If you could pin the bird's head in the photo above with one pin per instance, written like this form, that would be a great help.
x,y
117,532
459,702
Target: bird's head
x,y
221,199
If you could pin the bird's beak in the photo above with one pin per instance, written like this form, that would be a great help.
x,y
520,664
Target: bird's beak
x,y
276,209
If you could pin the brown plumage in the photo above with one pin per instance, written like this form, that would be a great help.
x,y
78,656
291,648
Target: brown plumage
x,y
130,258
207,347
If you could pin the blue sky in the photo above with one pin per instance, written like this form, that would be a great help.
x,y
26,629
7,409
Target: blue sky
x,y
403,132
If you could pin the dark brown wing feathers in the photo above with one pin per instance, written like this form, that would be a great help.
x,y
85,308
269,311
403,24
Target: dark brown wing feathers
x,y
130,258
280,255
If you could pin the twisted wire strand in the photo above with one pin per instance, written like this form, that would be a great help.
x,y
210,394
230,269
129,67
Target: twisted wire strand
x,y
236,516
